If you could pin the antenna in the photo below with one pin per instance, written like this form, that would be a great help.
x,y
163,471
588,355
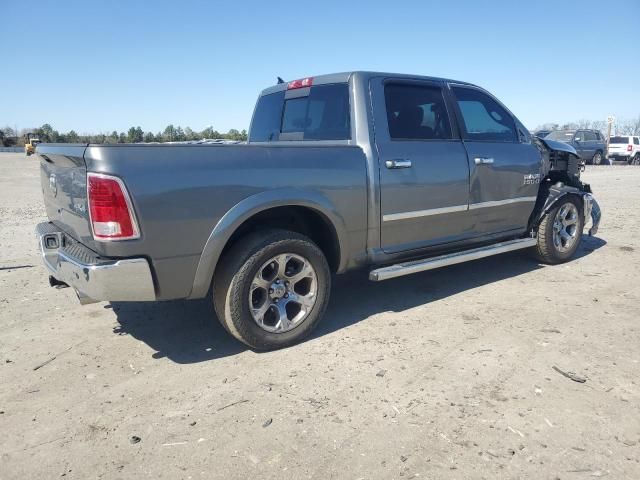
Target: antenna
x,y
280,80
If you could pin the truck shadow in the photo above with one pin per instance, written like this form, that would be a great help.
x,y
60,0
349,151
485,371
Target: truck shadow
x,y
188,332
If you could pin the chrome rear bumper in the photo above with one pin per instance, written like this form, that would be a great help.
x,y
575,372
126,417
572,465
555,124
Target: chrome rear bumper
x,y
92,277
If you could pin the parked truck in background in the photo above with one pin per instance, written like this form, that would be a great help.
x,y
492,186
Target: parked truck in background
x,y
589,144
624,148
394,173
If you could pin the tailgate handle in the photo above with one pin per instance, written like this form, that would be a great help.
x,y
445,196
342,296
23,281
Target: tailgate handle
x,y
399,163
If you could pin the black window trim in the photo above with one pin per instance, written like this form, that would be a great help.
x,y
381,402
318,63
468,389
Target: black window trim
x,y
460,118
455,133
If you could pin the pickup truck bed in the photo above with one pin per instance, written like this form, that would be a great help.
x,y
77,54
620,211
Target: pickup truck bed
x,y
177,207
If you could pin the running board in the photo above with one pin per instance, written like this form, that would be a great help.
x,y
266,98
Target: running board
x,y
407,268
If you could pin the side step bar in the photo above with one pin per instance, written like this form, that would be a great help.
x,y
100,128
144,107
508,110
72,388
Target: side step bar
x,y
415,266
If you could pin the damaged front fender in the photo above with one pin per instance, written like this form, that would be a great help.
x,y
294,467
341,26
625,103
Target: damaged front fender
x,y
550,197
592,213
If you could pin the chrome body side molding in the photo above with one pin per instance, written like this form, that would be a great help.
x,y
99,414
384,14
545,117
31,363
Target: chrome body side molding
x,y
456,208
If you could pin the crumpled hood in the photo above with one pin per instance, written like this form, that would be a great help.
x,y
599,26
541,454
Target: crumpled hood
x,y
559,146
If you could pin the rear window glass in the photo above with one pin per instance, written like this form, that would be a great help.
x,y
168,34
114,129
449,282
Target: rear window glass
x,y
294,118
265,126
624,140
322,115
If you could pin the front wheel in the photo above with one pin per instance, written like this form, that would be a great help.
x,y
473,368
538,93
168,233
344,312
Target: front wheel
x,y
560,232
271,289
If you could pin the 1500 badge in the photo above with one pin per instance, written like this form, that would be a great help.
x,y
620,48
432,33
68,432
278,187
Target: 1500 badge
x,y
532,178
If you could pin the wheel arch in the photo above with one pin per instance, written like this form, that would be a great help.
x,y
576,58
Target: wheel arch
x,y
306,212
548,198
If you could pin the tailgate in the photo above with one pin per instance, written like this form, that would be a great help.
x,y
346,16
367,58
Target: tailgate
x,y
63,175
617,148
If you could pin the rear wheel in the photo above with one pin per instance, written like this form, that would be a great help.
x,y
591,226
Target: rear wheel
x,y
635,160
597,159
271,289
560,232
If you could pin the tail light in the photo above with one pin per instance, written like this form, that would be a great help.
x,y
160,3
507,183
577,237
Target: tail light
x,y
110,210
629,148
302,83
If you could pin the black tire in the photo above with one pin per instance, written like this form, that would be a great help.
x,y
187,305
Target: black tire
x,y
635,160
598,159
234,276
547,250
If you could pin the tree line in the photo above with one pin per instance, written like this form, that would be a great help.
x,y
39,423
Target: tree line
x,y
620,127
46,133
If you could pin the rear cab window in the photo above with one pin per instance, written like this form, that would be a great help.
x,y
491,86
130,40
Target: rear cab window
x,y
320,112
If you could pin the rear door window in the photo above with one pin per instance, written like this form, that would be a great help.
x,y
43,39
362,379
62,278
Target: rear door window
x,y
636,141
590,137
416,112
483,119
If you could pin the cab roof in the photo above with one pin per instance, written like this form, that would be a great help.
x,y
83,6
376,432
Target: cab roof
x,y
344,77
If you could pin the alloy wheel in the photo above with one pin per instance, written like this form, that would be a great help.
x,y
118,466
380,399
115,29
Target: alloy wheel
x,y
283,292
565,227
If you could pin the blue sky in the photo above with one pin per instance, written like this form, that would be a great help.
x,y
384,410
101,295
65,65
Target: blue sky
x,y
96,66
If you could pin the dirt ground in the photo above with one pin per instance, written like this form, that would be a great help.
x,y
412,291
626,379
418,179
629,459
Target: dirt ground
x,y
445,374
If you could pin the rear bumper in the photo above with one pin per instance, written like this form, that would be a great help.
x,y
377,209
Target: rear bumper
x,y
620,157
92,277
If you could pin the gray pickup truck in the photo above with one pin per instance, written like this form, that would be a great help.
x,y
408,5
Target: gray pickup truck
x,y
394,173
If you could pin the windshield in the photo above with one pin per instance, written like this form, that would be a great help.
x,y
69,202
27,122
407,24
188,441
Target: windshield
x,y
561,135
624,140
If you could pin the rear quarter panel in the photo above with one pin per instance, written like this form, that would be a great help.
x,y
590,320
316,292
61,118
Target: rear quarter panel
x,y
181,192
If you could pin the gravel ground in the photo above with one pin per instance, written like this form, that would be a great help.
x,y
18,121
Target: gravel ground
x,y
445,374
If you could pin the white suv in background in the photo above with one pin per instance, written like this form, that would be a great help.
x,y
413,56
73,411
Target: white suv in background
x,y
624,148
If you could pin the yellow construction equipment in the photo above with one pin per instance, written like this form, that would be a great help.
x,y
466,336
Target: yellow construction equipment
x,y
30,142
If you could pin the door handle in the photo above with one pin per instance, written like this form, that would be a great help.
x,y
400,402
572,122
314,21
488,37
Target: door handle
x,y
391,164
483,160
